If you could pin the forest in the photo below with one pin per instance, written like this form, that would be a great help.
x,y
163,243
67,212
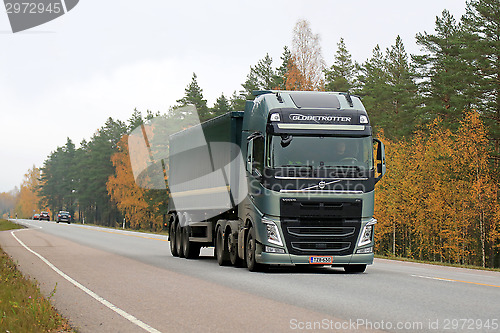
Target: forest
x,y
438,114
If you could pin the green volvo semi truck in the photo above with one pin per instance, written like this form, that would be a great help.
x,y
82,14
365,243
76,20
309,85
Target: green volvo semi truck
x,y
288,181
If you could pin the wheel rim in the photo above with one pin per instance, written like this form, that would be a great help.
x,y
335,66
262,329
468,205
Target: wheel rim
x,y
233,250
185,240
219,245
178,239
250,250
172,235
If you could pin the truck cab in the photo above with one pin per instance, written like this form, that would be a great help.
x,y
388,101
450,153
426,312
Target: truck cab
x,y
311,177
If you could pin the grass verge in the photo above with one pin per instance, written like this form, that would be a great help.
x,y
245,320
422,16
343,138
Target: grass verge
x,y
7,225
22,305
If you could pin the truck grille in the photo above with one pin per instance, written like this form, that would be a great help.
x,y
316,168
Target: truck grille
x,y
329,227
321,231
326,246
305,236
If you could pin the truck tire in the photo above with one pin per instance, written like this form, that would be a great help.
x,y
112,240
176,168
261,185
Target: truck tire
x,y
250,247
221,252
171,233
178,239
233,251
354,268
191,249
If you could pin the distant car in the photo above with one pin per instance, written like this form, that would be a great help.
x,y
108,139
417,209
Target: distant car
x,y
36,217
63,216
44,216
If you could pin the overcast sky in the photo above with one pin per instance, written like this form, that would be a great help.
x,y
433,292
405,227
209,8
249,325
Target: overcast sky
x,y
105,58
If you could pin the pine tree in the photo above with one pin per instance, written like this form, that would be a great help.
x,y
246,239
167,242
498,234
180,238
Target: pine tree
x,y
221,106
340,76
388,89
261,77
281,72
443,73
135,120
237,102
194,95
402,89
481,25
372,77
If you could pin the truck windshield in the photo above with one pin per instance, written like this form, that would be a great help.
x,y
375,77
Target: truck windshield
x,y
320,151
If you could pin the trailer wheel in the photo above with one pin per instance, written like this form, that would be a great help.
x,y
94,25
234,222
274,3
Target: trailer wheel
x,y
171,233
220,250
253,266
191,249
354,268
178,239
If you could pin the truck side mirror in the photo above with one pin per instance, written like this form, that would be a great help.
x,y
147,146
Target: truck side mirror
x,y
380,159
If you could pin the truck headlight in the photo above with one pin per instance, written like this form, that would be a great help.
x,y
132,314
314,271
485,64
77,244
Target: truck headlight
x,y
366,235
273,234
275,117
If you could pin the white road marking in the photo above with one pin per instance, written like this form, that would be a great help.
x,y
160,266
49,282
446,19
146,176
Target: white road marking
x,y
89,292
452,280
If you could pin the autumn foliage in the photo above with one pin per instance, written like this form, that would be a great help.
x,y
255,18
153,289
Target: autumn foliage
x,y
28,201
131,200
438,200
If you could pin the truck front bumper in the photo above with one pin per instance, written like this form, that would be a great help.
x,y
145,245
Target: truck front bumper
x,y
291,259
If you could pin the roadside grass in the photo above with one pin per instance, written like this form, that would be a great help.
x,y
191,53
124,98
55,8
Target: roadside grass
x,y
437,263
22,305
7,225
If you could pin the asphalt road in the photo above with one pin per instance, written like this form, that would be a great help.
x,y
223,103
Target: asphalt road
x,y
116,281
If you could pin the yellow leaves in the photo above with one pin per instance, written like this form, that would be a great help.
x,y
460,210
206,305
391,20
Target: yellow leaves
x,y
28,200
438,200
129,197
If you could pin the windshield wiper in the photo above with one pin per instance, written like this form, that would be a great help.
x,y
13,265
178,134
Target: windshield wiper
x,y
341,166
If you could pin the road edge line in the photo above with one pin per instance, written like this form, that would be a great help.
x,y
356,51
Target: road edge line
x,y
89,292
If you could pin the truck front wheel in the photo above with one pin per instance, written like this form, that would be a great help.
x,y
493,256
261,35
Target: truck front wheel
x,y
253,266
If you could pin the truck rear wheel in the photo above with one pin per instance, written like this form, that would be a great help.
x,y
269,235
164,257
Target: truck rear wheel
x,y
178,240
354,268
171,233
233,251
252,264
221,252
191,249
